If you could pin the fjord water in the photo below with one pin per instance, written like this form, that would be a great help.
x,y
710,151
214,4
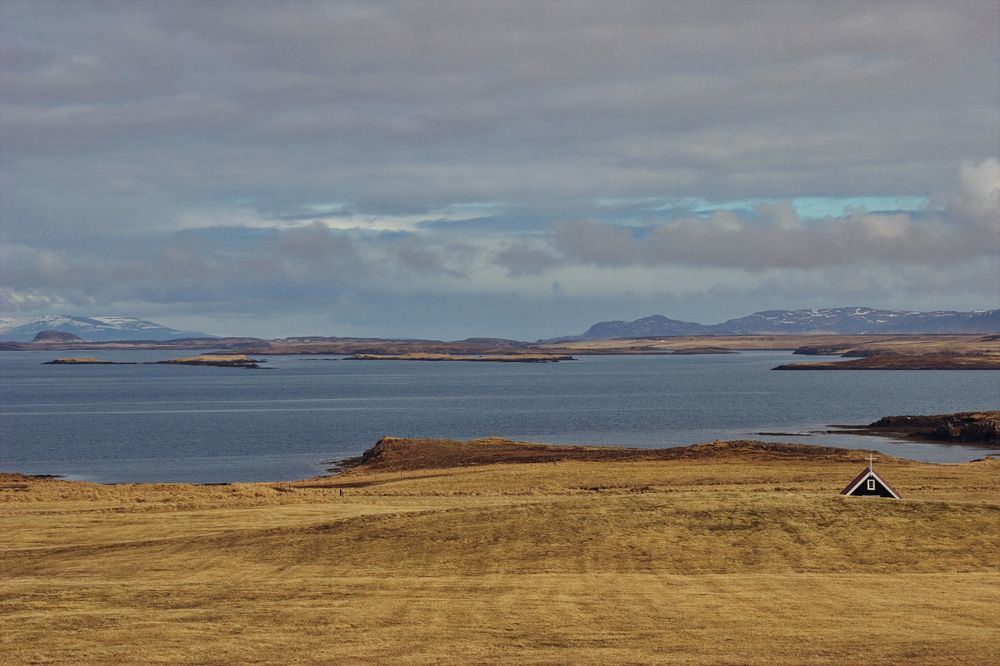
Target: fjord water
x,y
120,423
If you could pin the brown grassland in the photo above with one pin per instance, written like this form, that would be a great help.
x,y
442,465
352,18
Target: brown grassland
x,y
491,552
495,358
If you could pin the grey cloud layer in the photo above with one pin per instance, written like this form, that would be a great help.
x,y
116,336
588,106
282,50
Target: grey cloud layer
x,y
211,265
410,106
131,131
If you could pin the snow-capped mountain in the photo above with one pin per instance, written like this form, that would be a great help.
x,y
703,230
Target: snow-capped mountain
x,y
841,321
863,320
95,329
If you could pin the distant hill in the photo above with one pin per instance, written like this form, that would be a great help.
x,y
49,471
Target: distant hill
x,y
93,329
841,321
56,336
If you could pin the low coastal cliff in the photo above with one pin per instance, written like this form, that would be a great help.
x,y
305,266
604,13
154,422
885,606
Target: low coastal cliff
x,y
980,427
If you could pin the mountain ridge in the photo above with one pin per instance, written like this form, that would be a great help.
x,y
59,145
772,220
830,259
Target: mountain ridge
x,y
843,321
837,321
18,328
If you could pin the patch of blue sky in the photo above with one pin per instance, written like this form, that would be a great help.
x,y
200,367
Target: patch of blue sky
x,y
813,208
315,211
807,207
817,207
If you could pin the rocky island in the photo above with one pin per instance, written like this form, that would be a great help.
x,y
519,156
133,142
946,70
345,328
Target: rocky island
x,y
84,360
495,358
217,360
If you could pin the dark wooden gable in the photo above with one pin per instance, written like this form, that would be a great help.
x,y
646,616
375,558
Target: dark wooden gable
x,y
870,484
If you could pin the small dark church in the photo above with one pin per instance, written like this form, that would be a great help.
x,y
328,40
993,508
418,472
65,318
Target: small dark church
x,y
869,483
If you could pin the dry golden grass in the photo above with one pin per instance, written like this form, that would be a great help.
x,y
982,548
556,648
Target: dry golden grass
x,y
720,554
212,358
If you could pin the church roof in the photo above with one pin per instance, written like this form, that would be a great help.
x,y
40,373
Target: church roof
x,y
865,473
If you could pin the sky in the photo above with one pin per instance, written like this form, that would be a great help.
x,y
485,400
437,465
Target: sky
x,y
510,169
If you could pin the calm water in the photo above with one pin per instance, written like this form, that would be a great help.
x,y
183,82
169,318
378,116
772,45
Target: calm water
x,y
166,423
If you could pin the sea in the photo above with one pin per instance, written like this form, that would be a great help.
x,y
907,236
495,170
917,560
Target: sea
x,y
164,423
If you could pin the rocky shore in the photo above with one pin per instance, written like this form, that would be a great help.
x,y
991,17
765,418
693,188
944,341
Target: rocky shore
x,y
84,360
980,427
216,360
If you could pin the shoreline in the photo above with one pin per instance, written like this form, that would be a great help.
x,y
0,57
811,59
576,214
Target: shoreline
x,y
860,351
335,467
473,358
978,428
902,362
400,454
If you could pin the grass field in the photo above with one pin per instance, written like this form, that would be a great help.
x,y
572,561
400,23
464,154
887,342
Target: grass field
x,y
491,552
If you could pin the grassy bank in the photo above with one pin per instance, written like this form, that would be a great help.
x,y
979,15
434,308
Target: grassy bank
x,y
487,552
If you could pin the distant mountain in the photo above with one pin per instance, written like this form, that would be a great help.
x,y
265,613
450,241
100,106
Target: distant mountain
x,y
56,336
93,329
647,327
863,320
829,320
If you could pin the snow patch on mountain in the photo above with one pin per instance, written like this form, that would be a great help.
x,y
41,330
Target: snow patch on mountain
x,y
96,329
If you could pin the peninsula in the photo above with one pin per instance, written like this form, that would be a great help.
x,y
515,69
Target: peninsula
x,y
979,427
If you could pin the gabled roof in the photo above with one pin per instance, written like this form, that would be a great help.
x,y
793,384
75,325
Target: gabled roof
x,y
865,473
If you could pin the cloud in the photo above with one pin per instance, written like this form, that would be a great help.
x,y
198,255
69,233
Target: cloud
x,y
768,254
30,300
519,259
248,158
774,236
977,196
395,108
318,246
